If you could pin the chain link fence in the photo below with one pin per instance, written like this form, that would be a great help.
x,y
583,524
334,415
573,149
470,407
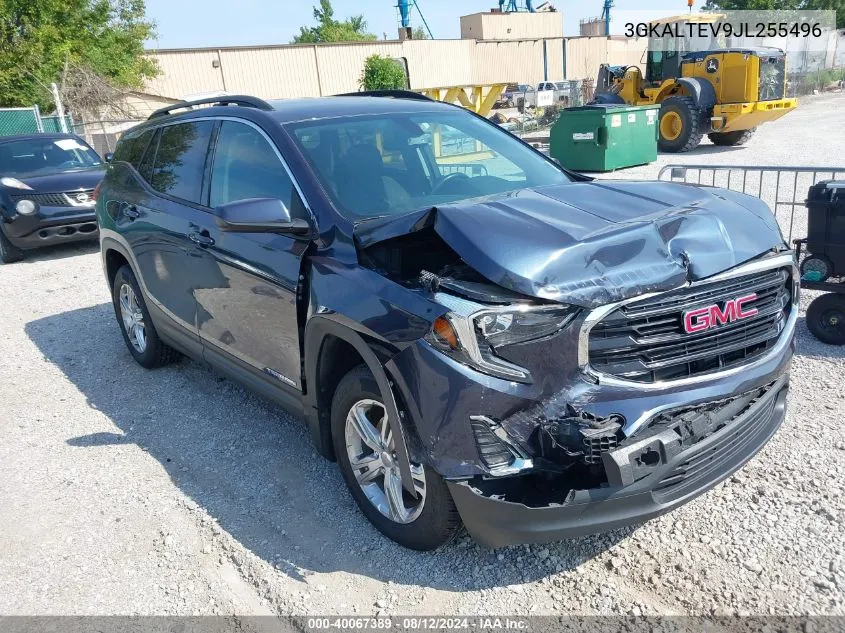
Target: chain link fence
x,y
14,121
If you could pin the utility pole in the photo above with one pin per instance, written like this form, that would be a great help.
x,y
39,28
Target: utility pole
x,y
59,109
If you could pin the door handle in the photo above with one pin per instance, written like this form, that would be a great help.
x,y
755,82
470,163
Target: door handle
x,y
131,212
201,238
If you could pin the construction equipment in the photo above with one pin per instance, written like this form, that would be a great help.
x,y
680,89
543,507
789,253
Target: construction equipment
x,y
703,85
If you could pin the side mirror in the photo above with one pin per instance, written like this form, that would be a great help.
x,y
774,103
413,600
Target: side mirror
x,y
109,157
259,215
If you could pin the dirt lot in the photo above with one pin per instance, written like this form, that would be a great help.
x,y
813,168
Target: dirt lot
x,y
124,491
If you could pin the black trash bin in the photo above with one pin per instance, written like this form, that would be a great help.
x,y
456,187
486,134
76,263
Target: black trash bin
x,y
825,231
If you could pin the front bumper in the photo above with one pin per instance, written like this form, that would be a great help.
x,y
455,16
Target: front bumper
x,y
682,476
51,226
731,117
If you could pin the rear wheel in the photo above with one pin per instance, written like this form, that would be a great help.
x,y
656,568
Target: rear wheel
x,y
365,450
680,125
139,333
816,268
826,318
739,137
9,253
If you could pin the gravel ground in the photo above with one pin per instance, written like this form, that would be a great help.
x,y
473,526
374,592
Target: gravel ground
x,y
124,491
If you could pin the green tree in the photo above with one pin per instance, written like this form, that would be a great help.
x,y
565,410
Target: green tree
x,y
419,33
39,38
780,5
352,29
383,73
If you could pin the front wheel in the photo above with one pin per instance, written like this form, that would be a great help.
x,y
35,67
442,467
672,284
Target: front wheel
x,y
365,450
680,125
9,253
727,139
826,318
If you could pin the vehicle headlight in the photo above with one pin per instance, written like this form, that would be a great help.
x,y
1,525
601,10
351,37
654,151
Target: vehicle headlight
x,y
25,207
471,333
14,183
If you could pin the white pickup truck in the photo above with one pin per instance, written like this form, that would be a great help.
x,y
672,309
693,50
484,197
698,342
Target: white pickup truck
x,y
544,94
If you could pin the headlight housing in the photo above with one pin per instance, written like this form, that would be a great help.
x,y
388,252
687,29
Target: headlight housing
x,y
471,332
25,207
14,183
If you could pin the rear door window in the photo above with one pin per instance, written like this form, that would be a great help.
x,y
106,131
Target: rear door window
x,y
179,163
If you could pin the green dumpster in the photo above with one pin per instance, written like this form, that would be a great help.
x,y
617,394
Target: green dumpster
x,y
605,136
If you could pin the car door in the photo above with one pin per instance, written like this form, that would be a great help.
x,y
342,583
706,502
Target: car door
x,y
250,316
162,225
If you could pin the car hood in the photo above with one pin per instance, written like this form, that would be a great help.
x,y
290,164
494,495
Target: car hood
x,y
57,182
592,243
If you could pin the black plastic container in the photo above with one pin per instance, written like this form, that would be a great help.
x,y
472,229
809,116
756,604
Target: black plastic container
x,y
826,223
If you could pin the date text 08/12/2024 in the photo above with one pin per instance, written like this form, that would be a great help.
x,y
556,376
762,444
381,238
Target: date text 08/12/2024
x,y
417,623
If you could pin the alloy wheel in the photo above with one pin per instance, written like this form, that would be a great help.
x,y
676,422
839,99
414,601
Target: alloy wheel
x,y
371,450
133,318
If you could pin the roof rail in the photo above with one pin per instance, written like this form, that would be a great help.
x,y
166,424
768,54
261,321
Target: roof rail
x,y
244,101
393,94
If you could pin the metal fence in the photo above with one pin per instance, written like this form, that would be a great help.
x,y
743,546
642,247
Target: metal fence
x,y
784,189
19,121
29,121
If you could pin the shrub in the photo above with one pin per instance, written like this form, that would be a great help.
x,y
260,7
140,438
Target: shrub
x,y
383,73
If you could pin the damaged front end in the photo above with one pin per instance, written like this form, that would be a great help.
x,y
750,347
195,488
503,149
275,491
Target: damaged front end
x,y
552,418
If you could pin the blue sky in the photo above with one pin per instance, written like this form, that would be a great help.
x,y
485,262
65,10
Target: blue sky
x,y
194,23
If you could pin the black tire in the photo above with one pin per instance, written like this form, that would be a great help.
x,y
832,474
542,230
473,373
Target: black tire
x,y
155,353
826,318
9,253
438,521
690,133
740,137
817,263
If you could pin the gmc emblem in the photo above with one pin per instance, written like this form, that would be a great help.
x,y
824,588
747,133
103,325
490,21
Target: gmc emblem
x,y
702,319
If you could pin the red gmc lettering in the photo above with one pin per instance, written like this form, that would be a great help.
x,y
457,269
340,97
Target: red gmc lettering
x,y
744,314
697,320
702,319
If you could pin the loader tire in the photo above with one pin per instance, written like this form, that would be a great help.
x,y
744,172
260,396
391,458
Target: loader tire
x,y
740,137
680,125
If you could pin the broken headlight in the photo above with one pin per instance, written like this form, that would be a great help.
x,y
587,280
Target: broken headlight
x,y
470,332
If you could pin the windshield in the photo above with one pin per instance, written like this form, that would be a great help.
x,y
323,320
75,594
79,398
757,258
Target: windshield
x,y
390,164
51,154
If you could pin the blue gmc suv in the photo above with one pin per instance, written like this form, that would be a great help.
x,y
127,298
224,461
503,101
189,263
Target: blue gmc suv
x,y
476,335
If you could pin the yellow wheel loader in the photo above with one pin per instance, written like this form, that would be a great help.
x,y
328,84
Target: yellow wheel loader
x,y
703,84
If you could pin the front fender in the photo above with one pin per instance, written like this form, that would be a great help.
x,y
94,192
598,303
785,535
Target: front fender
x,y
378,317
700,90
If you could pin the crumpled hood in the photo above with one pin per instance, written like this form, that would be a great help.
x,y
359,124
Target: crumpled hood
x,y
591,243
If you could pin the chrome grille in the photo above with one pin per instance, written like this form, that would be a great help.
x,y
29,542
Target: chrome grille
x,y
645,341
67,199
